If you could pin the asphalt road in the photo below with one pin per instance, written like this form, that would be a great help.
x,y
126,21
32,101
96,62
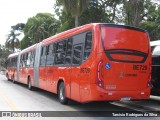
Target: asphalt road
x,y
16,97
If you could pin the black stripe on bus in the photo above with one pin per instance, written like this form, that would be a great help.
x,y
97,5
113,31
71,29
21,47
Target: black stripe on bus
x,y
126,52
126,27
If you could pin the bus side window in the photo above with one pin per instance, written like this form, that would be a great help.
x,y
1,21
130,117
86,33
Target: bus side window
x,y
42,51
16,62
77,54
43,56
11,62
88,45
60,52
25,60
47,50
32,59
20,65
69,51
8,64
50,54
21,61
28,60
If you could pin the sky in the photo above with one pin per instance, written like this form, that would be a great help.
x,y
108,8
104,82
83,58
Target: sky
x,y
18,11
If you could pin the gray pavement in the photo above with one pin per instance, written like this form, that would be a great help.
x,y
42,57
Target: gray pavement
x,y
16,97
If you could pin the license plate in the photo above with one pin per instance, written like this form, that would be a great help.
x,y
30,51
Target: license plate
x,y
126,98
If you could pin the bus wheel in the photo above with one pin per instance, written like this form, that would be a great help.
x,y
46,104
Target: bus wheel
x,y
61,94
7,76
13,79
29,84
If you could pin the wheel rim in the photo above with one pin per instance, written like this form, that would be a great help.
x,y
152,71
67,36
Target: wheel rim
x,y
61,94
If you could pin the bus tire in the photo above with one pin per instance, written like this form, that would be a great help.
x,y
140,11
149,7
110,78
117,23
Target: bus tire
x,y
61,94
13,79
7,76
29,84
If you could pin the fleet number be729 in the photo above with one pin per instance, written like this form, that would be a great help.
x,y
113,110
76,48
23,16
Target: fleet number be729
x,y
139,67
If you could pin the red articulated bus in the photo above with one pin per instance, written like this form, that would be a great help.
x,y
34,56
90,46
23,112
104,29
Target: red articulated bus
x,y
94,62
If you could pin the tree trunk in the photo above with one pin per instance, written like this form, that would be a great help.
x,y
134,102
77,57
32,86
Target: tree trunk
x,y
114,12
13,45
76,15
137,16
133,10
76,21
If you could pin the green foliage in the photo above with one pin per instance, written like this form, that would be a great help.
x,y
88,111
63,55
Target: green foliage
x,y
101,11
12,40
97,11
74,7
139,13
18,26
39,27
66,21
25,42
71,6
94,13
133,11
4,52
152,24
152,29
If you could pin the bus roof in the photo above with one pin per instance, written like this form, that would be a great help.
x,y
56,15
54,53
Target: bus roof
x,y
29,49
123,26
79,29
155,43
13,55
68,33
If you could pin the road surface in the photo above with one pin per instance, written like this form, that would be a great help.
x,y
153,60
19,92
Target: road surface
x,y
16,97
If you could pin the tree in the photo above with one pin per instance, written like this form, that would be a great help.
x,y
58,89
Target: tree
x,y
97,11
18,27
94,13
4,52
133,10
66,21
39,27
152,22
12,40
74,7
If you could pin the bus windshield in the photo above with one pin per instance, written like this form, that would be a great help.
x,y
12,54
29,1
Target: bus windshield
x,y
120,38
